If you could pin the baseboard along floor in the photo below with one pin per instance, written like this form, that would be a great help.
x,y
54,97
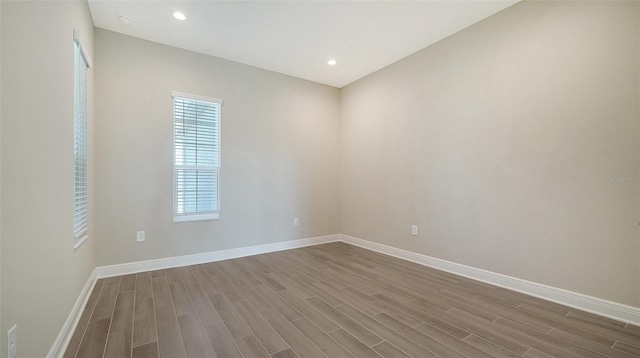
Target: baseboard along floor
x,y
335,300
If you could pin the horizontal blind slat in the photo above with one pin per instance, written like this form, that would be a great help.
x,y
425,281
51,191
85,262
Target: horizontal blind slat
x,y
80,211
197,152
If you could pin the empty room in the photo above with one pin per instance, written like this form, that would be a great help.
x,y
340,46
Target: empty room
x,y
286,179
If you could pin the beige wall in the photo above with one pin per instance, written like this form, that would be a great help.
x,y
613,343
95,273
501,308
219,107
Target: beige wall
x,y
279,152
42,274
499,142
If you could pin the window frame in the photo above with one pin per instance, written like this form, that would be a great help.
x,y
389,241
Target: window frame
x,y
197,216
81,236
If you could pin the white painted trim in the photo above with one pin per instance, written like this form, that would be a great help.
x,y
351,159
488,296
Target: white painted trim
x,y
76,39
196,97
591,304
181,218
62,341
80,242
610,309
178,261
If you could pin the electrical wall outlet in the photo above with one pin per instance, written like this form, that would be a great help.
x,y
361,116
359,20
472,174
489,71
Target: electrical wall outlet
x,y
414,229
296,222
12,341
140,236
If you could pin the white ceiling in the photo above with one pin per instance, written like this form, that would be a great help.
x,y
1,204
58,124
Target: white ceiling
x,y
297,38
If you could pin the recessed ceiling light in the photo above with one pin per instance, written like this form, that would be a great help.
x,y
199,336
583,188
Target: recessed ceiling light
x,y
124,20
332,62
180,16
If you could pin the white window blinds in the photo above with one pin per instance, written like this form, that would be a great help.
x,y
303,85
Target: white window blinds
x,y
80,209
196,157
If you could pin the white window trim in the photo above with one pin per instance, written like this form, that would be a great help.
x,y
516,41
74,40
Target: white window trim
x,y
196,97
76,38
195,217
79,240
179,218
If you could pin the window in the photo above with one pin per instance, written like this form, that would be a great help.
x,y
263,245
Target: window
x,y
196,170
80,207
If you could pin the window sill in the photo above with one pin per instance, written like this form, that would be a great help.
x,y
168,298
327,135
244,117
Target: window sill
x,y
80,241
195,217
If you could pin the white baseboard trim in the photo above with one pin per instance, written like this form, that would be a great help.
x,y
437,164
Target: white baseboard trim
x,y
580,301
62,341
187,260
610,309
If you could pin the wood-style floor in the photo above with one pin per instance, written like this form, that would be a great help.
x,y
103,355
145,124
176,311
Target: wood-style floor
x,y
332,300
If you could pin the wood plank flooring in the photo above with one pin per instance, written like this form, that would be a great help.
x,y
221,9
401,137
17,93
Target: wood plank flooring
x,y
332,300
